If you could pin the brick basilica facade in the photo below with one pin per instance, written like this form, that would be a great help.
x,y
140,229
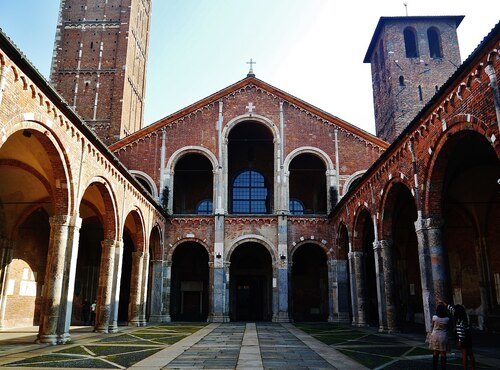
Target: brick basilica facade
x,y
252,204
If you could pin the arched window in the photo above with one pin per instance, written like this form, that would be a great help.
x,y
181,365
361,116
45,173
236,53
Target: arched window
x,y
296,207
410,43
250,193
435,50
401,81
205,207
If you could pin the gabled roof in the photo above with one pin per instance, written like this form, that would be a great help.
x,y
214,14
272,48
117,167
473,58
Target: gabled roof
x,y
249,80
457,19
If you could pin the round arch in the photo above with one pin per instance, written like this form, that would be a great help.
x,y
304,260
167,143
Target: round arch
x,y
387,204
309,150
192,149
251,117
105,189
171,250
249,238
148,180
351,179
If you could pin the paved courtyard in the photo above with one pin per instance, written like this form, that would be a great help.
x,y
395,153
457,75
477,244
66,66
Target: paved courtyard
x,y
234,346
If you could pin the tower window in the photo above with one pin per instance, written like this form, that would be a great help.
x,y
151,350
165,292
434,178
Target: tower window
x,y
420,95
401,81
435,50
410,43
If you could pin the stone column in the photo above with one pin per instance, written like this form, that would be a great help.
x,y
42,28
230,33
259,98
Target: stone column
x,y
433,266
280,314
115,292
390,309
219,284
134,307
338,291
144,289
380,283
165,297
6,248
358,281
54,276
69,279
155,295
105,289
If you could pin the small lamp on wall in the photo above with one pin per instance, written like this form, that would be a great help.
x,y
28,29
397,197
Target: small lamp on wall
x,y
218,256
282,257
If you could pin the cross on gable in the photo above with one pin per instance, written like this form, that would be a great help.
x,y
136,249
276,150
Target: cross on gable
x,y
250,72
250,107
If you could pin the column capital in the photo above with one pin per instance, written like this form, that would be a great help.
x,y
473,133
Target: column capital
x,y
59,220
383,244
108,243
355,254
428,223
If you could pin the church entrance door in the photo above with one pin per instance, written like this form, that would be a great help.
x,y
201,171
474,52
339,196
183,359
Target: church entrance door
x,y
250,283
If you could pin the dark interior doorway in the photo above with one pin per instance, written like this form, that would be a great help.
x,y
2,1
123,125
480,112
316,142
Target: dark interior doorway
x,y
250,283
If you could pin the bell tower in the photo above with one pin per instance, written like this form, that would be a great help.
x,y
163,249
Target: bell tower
x,y
410,57
99,63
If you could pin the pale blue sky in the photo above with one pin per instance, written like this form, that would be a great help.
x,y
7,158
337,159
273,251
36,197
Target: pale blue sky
x,y
312,49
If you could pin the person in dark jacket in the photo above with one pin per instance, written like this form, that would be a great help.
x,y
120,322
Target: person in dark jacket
x,y
463,333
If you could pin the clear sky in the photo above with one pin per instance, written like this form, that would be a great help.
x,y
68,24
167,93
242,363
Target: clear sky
x,y
312,49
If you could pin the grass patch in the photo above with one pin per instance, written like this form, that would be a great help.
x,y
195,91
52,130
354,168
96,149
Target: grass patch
x,y
419,351
113,350
369,360
129,359
75,350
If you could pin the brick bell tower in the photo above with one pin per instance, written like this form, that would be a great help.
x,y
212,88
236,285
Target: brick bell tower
x,y
410,57
99,63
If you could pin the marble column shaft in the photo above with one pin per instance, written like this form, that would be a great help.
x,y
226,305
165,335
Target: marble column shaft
x,y
433,265
6,249
358,261
166,293
134,308
115,291
390,309
155,295
380,277
144,289
105,290
54,275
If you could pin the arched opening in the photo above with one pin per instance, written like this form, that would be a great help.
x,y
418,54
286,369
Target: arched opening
x,y
29,167
308,183
193,182
434,39
365,237
155,285
411,45
342,302
468,170
189,287
125,280
400,215
251,168
250,283
309,284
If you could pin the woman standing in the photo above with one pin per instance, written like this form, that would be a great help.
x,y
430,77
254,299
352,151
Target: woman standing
x,y
439,336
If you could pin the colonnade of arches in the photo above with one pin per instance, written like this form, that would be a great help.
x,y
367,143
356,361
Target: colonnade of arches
x,y
423,244
67,238
251,292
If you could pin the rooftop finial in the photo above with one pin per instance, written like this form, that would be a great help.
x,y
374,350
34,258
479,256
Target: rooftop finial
x,y
406,7
250,72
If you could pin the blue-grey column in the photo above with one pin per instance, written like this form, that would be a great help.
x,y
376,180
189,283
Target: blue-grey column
x,y
218,276
338,291
353,282
165,298
280,300
359,277
156,292
54,278
433,266
115,297
75,224
386,247
380,283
